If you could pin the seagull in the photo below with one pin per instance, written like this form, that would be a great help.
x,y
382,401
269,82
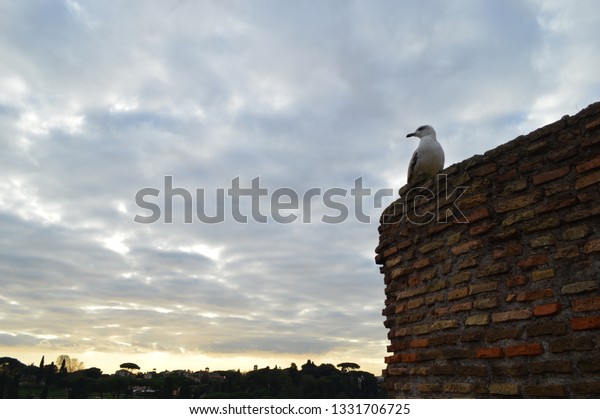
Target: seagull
x,y
428,158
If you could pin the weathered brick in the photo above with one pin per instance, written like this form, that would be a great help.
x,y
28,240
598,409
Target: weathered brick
x,y
472,201
466,306
505,316
585,323
502,333
551,175
421,263
556,204
567,252
403,331
472,370
589,364
527,349
535,294
550,367
516,281
434,298
592,246
401,271
530,165
570,343
493,269
453,238
512,249
586,304
518,216
585,181
472,335
504,389
481,228
433,245
542,274
514,186
460,278
562,153
467,263
541,224
504,235
466,247
510,370
478,214
578,287
490,353
415,303
575,233
509,174
532,261
542,241
419,343
462,388
441,370
458,293
485,303
438,325
545,390
440,311
483,287
477,320
517,202
546,328
429,387
590,164
547,309
587,389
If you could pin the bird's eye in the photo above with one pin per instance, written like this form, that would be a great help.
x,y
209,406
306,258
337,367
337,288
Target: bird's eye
x,y
421,128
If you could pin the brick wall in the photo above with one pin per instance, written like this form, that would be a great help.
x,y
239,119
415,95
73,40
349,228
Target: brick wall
x,y
502,299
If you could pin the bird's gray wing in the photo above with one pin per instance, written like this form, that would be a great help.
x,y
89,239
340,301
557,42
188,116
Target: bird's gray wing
x,y
412,165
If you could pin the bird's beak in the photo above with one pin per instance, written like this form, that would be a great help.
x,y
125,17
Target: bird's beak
x,y
412,134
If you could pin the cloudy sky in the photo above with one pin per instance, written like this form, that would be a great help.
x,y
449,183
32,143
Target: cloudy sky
x,y
99,100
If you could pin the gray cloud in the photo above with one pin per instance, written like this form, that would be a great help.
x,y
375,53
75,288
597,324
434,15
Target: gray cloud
x,y
99,100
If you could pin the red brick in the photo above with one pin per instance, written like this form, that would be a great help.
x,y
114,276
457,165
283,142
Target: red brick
x,y
547,309
528,349
535,295
419,343
478,214
585,323
532,261
489,353
508,175
551,175
586,304
511,315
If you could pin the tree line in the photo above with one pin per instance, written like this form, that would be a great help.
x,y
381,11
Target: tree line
x,y
68,378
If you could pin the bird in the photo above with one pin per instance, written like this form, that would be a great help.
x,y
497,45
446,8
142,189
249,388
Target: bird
x,y
428,158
